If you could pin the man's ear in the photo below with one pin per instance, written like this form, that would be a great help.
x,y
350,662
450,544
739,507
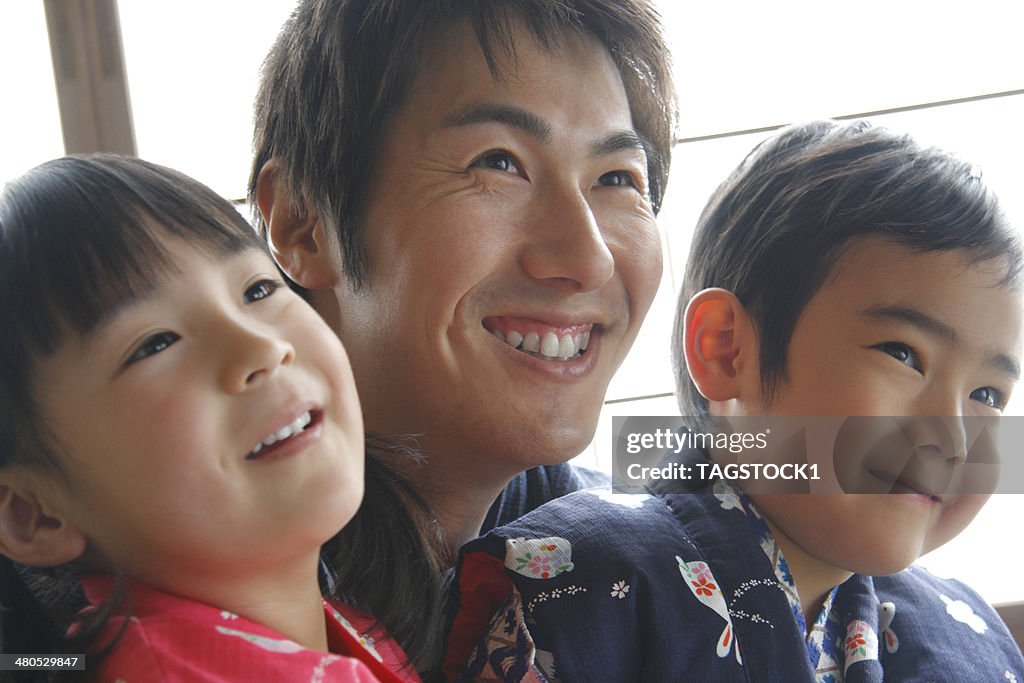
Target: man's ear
x,y
719,344
32,532
299,242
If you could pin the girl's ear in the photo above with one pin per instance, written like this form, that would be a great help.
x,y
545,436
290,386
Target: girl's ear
x,y
719,344
306,251
31,531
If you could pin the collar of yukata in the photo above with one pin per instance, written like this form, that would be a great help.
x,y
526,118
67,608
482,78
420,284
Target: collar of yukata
x,y
824,637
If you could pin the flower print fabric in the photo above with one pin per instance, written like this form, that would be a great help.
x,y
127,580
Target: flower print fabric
x,y
706,600
170,639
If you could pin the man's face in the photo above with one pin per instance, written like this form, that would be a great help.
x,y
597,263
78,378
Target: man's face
x,y
513,255
926,338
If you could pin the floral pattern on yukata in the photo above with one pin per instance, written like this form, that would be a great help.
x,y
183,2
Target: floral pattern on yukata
x,y
365,640
704,587
886,615
824,637
634,501
962,612
539,558
630,564
861,643
507,651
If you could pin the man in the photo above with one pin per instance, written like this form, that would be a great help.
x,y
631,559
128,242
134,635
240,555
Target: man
x,y
467,193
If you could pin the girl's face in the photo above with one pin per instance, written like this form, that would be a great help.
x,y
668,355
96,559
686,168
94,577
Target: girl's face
x,y
163,415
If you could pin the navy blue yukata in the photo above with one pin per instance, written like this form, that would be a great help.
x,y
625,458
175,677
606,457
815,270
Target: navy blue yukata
x,y
690,586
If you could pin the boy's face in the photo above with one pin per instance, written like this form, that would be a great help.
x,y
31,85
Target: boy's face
x,y
157,412
896,332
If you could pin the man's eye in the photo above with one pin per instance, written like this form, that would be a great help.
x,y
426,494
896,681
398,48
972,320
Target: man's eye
x,y
498,161
260,290
902,353
993,398
152,345
617,179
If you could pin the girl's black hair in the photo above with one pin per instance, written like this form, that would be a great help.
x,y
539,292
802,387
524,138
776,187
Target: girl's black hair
x,y
80,237
385,560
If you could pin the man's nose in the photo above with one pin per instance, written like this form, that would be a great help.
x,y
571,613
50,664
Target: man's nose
x,y
566,245
251,353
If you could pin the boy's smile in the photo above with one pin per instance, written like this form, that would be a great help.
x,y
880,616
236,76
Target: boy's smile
x,y
902,333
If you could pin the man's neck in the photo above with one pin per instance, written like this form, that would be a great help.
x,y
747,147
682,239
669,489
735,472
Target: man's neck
x,y
460,519
459,496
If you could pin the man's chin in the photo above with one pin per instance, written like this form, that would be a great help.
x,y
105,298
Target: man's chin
x,y
560,445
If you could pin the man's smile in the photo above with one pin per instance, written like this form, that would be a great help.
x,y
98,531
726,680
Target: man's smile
x,y
541,340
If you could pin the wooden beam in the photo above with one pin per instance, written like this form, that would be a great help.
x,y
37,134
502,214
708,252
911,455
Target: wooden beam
x,y
1013,614
88,68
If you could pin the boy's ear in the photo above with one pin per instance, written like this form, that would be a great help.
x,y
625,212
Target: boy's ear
x,y
31,531
299,242
718,343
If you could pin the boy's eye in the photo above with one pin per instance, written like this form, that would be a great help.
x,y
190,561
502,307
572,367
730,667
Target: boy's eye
x,y
260,290
902,353
498,161
617,179
993,398
152,345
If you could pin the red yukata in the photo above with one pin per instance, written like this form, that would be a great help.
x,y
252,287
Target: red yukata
x,y
171,639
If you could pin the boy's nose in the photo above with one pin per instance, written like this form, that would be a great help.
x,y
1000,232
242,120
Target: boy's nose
x,y
943,438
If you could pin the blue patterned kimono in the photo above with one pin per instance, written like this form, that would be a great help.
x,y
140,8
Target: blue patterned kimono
x,y
597,586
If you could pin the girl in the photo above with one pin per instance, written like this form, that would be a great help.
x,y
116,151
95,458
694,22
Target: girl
x,y
179,434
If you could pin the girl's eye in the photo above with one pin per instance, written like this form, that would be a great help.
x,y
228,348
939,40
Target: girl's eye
x,y
902,353
498,161
260,290
993,398
152,345
617,179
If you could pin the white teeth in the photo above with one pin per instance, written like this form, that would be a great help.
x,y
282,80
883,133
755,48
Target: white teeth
x,y
566,347
285,432
549,345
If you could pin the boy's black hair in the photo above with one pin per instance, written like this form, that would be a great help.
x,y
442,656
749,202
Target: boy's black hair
x,y
773,231
80,237
341,68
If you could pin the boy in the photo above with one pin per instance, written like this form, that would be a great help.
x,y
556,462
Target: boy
x,y
840,271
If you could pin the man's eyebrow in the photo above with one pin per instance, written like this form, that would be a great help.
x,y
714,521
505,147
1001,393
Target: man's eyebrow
x,y
618,141
516,117
914,318
540,129
1008,365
